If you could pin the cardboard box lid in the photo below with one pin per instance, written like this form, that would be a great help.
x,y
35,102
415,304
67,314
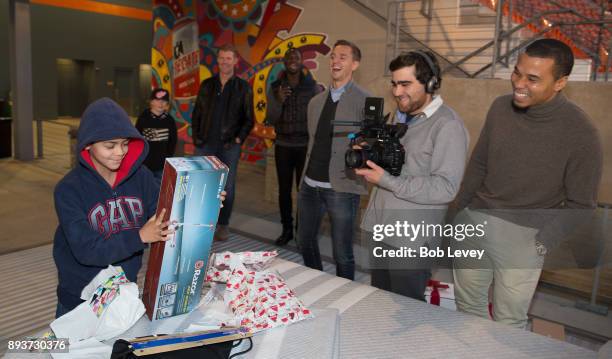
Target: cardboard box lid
x,y
199,163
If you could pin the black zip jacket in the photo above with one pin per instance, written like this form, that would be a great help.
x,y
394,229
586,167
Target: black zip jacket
x,y
238,116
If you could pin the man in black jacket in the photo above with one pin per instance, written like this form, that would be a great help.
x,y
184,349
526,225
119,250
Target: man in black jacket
x,y
287,106
221,120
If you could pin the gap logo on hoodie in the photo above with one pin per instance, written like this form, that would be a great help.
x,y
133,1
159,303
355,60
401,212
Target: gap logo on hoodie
x,y
116,215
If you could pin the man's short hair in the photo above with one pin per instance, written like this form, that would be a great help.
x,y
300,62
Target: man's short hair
x,y
354,49
556,50
291,50
229,48
423,72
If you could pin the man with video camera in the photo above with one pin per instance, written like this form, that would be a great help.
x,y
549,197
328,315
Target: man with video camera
x,y
436,145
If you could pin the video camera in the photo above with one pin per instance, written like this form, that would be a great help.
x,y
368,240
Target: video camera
x,y
386,151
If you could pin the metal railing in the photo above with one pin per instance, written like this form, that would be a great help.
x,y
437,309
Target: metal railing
x,y
505,43
402,19
394,32
545,22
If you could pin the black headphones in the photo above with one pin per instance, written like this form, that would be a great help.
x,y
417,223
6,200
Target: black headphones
x,y
433,83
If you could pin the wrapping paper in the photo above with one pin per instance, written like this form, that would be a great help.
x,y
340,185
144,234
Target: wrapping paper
x,y
258,298
220,269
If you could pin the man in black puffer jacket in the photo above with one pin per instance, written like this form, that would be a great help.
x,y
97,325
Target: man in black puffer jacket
x,y
287,106
221,120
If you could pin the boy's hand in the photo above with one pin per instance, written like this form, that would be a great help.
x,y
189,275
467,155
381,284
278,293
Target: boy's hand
x,y
155,230
223,194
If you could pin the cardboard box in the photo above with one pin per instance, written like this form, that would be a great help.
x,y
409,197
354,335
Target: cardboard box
x,y
190,192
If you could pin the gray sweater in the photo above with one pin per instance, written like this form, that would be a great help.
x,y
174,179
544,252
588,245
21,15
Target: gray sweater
x,y
349,108
436,145
529,162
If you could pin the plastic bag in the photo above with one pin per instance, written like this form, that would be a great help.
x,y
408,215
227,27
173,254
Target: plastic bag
x,y
111,307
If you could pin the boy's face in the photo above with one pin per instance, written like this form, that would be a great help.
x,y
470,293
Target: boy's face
x,y
158,106
107,155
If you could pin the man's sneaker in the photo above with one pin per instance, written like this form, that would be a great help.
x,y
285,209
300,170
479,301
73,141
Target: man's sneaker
x,y
222,233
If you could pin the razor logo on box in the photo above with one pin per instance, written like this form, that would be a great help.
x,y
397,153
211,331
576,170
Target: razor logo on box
x,y
196,275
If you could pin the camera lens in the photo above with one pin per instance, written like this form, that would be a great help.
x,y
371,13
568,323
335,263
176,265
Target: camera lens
x,y
354,158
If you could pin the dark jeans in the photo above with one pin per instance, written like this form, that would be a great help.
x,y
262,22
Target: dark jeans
x,y
61,310
230,155
408,282
288,161
403,276
342,210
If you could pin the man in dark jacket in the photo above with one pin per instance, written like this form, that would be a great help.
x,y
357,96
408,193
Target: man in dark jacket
x,y
287,109
221,120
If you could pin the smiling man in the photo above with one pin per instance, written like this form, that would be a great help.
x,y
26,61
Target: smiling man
x,y
436,144
222,119
328,185
288,100
537,153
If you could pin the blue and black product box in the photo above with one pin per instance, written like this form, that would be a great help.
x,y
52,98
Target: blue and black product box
x,y
191,193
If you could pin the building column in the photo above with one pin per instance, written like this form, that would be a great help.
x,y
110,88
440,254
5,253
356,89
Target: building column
x,y
20,65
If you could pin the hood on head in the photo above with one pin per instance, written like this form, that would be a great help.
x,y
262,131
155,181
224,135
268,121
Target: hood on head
x,y
105,120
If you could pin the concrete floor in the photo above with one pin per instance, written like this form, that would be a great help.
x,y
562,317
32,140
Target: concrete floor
x,y
27,215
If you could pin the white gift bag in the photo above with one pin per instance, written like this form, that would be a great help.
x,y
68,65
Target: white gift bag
x,y
111,307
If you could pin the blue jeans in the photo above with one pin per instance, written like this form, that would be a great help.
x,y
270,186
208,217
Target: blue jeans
x,y
230,155
342,209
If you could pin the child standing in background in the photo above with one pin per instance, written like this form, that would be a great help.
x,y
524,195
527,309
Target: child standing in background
x,y
159,129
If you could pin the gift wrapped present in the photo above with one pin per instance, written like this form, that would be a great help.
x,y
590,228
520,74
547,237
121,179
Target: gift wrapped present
x,y
440,294
257,297
219,269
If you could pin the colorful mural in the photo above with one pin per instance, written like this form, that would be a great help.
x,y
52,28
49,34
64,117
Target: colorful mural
x,y
187,34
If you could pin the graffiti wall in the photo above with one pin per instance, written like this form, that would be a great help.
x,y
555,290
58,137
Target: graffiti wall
x,y
187,34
